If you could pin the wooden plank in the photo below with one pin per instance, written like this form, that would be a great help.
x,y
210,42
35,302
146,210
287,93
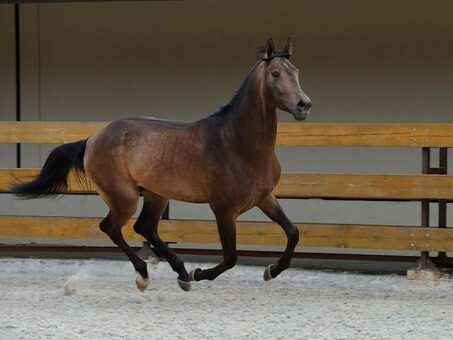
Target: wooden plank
x,y
305,185
373,135
248,233
358,186
47,132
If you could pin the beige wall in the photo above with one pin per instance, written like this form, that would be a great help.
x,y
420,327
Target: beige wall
x,y
382,61
7,80
387,61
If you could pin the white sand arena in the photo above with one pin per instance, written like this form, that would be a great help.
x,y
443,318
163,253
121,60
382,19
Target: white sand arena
x,y
101,302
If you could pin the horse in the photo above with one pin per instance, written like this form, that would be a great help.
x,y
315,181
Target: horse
x,y
226,160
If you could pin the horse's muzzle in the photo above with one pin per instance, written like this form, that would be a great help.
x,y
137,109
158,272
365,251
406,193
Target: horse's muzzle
x,y
301,111
300,115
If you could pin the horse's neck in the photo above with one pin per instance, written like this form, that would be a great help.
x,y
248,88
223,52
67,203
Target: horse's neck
x,y
253,122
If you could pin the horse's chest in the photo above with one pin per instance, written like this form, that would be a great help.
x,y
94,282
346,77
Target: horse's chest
x,y
250,184
266,181
266,178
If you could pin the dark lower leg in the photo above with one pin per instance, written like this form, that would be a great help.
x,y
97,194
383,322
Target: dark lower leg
x,y
212,273
175,262
283,263
273,210
113,230
227,232
146,226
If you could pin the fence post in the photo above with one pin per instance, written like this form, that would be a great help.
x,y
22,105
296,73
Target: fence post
x,y
442,221
17,75
426,269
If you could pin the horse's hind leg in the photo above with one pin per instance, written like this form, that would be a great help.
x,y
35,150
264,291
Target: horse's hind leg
x,y
146,225
226,225
122,204
273,210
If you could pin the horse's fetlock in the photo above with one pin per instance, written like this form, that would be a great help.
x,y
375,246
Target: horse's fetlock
x,y
230,261
142,269
178,265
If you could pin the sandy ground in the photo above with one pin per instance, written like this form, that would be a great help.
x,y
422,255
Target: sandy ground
x,y
301,304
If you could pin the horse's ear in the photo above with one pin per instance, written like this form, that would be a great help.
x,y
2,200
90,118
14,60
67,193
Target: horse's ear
x,y
289,47
266,51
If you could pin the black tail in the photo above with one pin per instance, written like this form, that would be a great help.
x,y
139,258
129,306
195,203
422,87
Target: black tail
x,y
53,178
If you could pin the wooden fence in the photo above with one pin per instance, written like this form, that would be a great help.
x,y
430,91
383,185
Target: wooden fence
x,y
432,185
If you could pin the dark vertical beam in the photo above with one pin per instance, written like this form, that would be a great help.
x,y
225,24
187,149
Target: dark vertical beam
x,y
426,162
424,262
442,214
443,170
18,84
443,160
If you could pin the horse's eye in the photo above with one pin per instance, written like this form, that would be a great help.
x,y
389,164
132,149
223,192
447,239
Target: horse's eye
x,y
276,74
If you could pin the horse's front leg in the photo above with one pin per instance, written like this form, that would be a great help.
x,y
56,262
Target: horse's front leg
x,y
274,211
226,225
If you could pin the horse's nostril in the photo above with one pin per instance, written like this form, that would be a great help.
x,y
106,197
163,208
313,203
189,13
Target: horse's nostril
x,y
304,105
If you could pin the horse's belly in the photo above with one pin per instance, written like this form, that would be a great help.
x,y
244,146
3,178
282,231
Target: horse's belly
x,y
175,188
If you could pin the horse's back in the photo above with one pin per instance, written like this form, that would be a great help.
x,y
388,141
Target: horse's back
x,y
163,156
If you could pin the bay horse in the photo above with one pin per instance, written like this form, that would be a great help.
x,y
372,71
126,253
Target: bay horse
x,y
226,160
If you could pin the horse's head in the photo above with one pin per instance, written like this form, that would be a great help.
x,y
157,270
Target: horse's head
x,y
281,81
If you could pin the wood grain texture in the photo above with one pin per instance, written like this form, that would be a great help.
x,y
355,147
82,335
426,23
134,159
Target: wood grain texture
x,y
359,186
366,135
305,185
47,132
248,233
294,185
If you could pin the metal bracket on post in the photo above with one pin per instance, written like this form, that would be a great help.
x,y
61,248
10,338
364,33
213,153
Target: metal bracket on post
x,y
426,269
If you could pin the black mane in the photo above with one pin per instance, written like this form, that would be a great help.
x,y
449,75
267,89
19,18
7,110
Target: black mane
x,y
227,107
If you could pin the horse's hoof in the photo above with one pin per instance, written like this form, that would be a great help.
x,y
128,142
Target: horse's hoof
x,y
185,285
193,272
141,282
267,273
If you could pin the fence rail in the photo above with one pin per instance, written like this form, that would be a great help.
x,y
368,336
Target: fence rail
x,y
426,187
334,135
316,235
310,185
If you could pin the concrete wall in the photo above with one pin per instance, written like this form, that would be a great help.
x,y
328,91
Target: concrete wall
x,y
360,61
